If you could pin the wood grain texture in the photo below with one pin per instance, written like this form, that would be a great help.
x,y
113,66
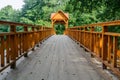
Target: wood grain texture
x,y
58,58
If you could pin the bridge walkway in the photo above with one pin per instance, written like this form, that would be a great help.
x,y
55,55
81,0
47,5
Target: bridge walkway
x,y
57,58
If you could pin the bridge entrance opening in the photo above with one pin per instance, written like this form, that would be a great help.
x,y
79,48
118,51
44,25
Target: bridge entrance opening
x,y
59,29
59,18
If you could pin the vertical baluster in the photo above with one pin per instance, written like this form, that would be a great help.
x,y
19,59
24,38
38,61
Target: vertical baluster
x,y
100,52
78,35
94,41
115,51
98,45
109,49
8,49
20,44
16,39
13,46
2,52
104,45
26,41
91,38
33,38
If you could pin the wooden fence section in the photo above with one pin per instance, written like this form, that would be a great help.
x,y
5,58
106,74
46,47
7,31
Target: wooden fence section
x,y
14,44
102,43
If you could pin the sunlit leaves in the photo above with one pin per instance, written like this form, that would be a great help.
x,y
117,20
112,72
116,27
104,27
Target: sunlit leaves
x,y
25,20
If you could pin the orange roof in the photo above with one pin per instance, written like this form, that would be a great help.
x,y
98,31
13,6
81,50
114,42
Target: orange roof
x,y
64,14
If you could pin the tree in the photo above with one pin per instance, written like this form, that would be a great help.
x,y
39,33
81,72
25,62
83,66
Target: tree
x,y
8,14
81,12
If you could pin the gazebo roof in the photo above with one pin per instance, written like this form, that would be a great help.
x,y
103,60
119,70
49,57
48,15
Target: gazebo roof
x,y
59,15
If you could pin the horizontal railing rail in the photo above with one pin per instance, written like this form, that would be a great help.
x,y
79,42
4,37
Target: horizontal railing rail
x,y
15,44
101,42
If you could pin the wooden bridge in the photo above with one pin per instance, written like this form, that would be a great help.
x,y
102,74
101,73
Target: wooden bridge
x,y
73,56
58,57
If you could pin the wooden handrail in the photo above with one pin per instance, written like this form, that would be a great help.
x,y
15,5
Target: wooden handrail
x,y
111,23
14,45
104,44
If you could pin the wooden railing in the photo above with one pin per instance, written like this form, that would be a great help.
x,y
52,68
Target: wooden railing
x,y
15,44
97,39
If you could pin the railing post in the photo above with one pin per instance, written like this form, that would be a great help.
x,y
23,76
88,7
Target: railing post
x,y
80,35
33,42
91,40
84,42
42,33
12,28
109,48
38,36
13,46
33,36
26,44
77,36
104,45
85,36
2,52
115,51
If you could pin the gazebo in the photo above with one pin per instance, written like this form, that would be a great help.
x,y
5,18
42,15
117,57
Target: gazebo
x,y
60,17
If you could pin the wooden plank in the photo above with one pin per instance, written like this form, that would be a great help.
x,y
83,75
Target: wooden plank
x,y
16,44
109,49
2,52
114,51
104,43
7,49
58,58
20,44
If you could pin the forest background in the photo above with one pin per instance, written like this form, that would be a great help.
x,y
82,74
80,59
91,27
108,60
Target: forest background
x,y
81,12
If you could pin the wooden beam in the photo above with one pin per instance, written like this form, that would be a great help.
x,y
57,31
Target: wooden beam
x,y
114,51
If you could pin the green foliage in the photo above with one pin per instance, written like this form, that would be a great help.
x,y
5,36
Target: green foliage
x,y
25,20
92,11
4,28
19,28
43,23
9,14
59,29
81,12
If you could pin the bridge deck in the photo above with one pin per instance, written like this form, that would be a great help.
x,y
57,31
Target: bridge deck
x,y
58,58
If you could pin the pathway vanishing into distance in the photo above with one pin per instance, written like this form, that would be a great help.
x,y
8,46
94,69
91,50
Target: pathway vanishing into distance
x,y
57,58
